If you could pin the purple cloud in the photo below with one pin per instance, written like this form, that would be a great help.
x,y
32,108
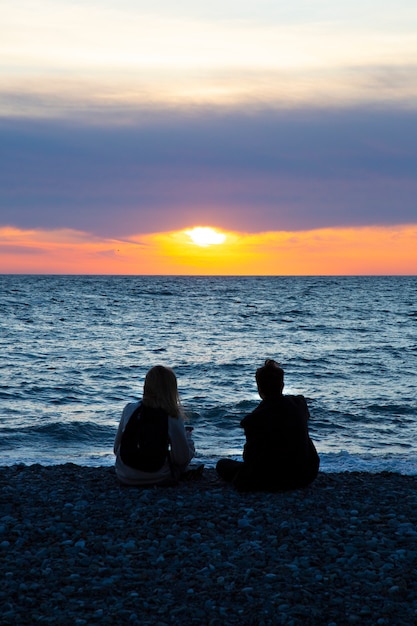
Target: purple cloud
x,y
264,170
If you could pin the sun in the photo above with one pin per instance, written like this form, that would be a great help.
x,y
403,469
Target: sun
x,y
205,236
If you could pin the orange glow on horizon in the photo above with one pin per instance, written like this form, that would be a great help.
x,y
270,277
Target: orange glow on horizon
x,y
329,251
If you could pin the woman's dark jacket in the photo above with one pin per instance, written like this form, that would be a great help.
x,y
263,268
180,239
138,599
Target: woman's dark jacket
x,y
278,453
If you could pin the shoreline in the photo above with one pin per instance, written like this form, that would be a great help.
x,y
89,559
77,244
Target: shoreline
x,y
78,548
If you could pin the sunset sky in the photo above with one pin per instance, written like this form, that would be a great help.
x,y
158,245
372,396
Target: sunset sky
x,y
288,128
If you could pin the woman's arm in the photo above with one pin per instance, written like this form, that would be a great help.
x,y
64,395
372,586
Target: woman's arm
x,y
182,447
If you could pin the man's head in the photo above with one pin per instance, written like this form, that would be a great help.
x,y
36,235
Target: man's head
x,y
270,379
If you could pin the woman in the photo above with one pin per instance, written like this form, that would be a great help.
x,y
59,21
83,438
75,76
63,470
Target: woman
x,y
152,446
278,454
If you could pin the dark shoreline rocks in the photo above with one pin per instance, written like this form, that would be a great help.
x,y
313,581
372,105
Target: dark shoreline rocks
x,y
77,548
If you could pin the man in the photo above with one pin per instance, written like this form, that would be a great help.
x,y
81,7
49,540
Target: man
x,y
278,454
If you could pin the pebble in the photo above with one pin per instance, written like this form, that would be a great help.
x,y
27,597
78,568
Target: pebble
x,y
243,523
78,548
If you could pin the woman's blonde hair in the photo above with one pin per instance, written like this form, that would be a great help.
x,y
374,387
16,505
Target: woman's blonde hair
x,y
160,390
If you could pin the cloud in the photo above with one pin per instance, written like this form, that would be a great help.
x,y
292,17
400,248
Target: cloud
x,y
253,171
128,95
13,252
54,63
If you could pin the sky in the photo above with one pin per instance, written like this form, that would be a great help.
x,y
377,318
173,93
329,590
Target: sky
x,y
290,128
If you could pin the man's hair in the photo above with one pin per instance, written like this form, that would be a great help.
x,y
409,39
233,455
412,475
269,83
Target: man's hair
x,y
160,390
270,378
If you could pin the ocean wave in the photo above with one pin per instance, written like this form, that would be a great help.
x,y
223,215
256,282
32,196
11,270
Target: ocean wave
x,y
73,432
344,461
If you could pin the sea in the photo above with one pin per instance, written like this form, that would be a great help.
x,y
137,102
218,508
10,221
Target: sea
x,y
75,349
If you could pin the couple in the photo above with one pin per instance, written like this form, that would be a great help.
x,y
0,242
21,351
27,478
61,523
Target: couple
x,y
278,454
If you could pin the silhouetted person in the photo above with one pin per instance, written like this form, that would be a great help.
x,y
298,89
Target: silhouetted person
x,y
278,454
152,446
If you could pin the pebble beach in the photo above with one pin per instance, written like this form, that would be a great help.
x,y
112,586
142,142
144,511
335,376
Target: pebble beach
x,y
78,548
